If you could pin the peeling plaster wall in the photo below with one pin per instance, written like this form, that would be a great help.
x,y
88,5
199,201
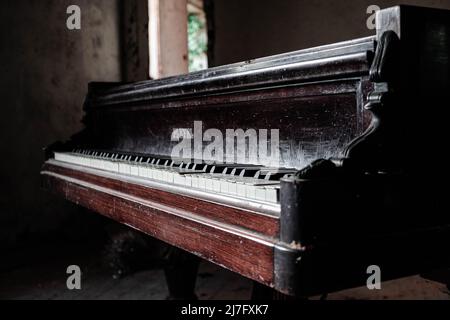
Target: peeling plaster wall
x,y
44,71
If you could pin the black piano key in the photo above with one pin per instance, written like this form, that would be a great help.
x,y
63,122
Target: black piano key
x,y
223,167
275,173
248,172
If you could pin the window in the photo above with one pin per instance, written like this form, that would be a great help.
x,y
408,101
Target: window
x,y
197,36
178,41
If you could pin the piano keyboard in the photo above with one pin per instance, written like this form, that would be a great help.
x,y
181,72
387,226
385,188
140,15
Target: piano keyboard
x,y
250,182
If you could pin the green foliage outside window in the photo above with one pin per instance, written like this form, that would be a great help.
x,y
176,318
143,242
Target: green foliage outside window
x,y
197,43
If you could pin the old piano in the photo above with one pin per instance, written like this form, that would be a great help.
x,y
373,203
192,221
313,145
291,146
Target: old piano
x,y
348,172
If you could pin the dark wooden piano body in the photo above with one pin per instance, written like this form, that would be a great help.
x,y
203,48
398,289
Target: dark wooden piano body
x,y
369,108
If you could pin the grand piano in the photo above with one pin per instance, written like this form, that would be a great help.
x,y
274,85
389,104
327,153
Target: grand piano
x,y
298,171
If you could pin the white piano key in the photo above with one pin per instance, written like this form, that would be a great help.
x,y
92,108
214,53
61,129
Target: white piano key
x,y
272,193
146,172
134,170
195,180
179,179
168,176
188,180
250,191
61,157
163,174
232,188
216,184
103,164
91,162
113,166
209,183
98,163
141,171
224,186
124,168
153,172
240,189
149,171
260,193
157,174
202,182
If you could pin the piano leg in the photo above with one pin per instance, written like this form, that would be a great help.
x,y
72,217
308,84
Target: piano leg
x,y
181,274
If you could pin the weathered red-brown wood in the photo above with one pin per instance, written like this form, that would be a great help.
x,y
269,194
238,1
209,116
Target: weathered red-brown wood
x,y
262,223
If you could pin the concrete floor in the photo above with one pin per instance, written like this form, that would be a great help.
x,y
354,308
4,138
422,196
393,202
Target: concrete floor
x,y
40,273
